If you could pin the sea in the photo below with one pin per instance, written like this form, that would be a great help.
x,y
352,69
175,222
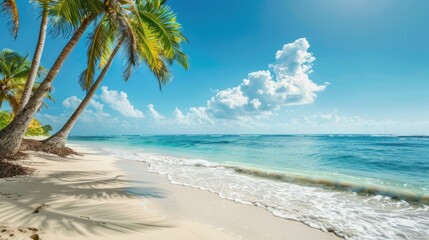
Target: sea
x,y
360,187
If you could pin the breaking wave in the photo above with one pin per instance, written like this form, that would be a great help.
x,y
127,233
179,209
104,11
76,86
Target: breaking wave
x,y
351,208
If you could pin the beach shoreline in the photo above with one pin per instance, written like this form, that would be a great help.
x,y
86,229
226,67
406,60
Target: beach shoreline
x,y
79,198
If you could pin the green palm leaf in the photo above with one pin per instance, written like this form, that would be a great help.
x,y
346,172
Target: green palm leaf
x,y
99,46
14,70
66,15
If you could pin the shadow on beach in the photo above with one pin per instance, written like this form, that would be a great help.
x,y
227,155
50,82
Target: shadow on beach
x,y
77,202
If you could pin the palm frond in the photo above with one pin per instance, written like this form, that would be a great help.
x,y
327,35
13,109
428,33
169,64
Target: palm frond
x,y
14,70
146,30
109,43
162,21
11,10
66,15
82,80
99,48
130,44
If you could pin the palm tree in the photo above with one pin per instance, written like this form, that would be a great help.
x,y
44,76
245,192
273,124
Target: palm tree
x,y
28,89
9,6
68,16
14,70
151,22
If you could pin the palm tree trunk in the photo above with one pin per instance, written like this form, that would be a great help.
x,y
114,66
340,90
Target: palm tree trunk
x,y
11,136
35,62
59,139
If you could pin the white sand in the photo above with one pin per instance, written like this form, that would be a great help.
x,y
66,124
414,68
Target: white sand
x,y
89,197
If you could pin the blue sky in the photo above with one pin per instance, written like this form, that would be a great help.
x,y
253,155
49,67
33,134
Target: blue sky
x,y
356,66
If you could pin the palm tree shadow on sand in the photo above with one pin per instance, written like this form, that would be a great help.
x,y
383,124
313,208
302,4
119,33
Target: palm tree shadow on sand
x,y
78,202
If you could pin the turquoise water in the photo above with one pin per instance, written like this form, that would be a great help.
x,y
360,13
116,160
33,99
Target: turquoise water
x,y
341,183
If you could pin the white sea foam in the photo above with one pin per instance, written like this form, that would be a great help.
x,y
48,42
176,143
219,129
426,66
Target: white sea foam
x,y
349,215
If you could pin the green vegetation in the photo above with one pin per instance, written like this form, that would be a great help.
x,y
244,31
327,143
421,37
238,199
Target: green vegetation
x,y
13,73
14,70
35,129
5,119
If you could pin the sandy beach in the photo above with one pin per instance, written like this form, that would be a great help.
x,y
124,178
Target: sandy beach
x,y
95,196
155,119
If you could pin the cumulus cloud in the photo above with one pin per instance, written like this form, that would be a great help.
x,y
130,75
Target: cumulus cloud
x,y
71,102
286,83
93,114
194,115
264,92
119,102
96,105
153,113
179,116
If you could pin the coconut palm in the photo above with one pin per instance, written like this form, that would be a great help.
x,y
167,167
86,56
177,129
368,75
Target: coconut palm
x,y
10,8
150,22
69,16
14,70
31,78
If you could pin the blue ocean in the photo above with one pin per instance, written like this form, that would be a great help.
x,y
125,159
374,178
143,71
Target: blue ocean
x,y
357,186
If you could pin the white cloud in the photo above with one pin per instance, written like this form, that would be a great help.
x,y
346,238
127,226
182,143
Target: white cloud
x,y
194,115
178,115
264,92
93,114
256,103
71,102
200,115
153,113
119,102
294,59
96,105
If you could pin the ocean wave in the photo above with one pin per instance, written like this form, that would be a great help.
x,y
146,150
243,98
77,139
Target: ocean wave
x,y
396,193
356,186
361,188
366,213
